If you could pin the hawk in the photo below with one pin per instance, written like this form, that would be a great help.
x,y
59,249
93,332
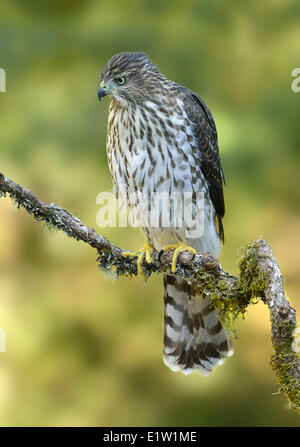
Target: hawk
x,y
161,137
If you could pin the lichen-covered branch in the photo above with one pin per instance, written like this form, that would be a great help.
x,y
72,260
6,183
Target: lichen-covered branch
x,y
285,360
259,278
110,256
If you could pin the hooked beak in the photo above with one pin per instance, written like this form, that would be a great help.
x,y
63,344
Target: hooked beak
x,y
102,91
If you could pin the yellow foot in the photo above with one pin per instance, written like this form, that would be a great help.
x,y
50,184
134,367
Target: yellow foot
x,y
178,248
144,252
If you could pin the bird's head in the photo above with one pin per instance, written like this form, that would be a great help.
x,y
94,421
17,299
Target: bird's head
x,y
129,77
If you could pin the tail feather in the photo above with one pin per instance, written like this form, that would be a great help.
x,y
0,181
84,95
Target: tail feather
x,y
194,338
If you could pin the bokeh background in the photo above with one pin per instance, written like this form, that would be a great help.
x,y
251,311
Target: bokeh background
x,y
85,350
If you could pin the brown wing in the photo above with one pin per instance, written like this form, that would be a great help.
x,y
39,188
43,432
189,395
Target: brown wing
x,y
206,133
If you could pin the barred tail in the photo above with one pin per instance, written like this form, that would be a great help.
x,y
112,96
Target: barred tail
x,y
194,338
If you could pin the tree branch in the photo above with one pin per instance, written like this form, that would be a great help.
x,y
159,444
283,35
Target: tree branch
x,y
259,277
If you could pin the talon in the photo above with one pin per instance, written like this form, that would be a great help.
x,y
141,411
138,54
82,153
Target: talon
x,y
144,252
178,248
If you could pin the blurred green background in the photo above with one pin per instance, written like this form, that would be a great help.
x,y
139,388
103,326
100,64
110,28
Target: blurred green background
x,y
84,350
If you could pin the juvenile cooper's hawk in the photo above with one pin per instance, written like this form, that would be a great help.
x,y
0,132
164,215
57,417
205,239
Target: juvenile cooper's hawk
x,y
162,138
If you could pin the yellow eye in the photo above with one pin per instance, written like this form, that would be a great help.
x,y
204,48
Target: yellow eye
x,y
121,80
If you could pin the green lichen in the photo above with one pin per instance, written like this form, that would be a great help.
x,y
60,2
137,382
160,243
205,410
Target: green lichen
x,y
232,295
283,364
284,361
252,282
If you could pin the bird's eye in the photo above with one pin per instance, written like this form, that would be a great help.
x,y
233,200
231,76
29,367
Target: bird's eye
x,y
121,80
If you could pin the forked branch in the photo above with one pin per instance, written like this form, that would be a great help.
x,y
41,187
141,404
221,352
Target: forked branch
x,y
259,277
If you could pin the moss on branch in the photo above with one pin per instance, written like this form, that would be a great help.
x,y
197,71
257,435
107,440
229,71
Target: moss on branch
x,y
259,278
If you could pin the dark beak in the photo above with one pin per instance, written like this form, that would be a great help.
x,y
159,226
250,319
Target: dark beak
x,y
101,93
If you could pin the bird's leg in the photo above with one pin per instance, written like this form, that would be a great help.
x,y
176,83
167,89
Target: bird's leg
x,y
144,252
178,248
